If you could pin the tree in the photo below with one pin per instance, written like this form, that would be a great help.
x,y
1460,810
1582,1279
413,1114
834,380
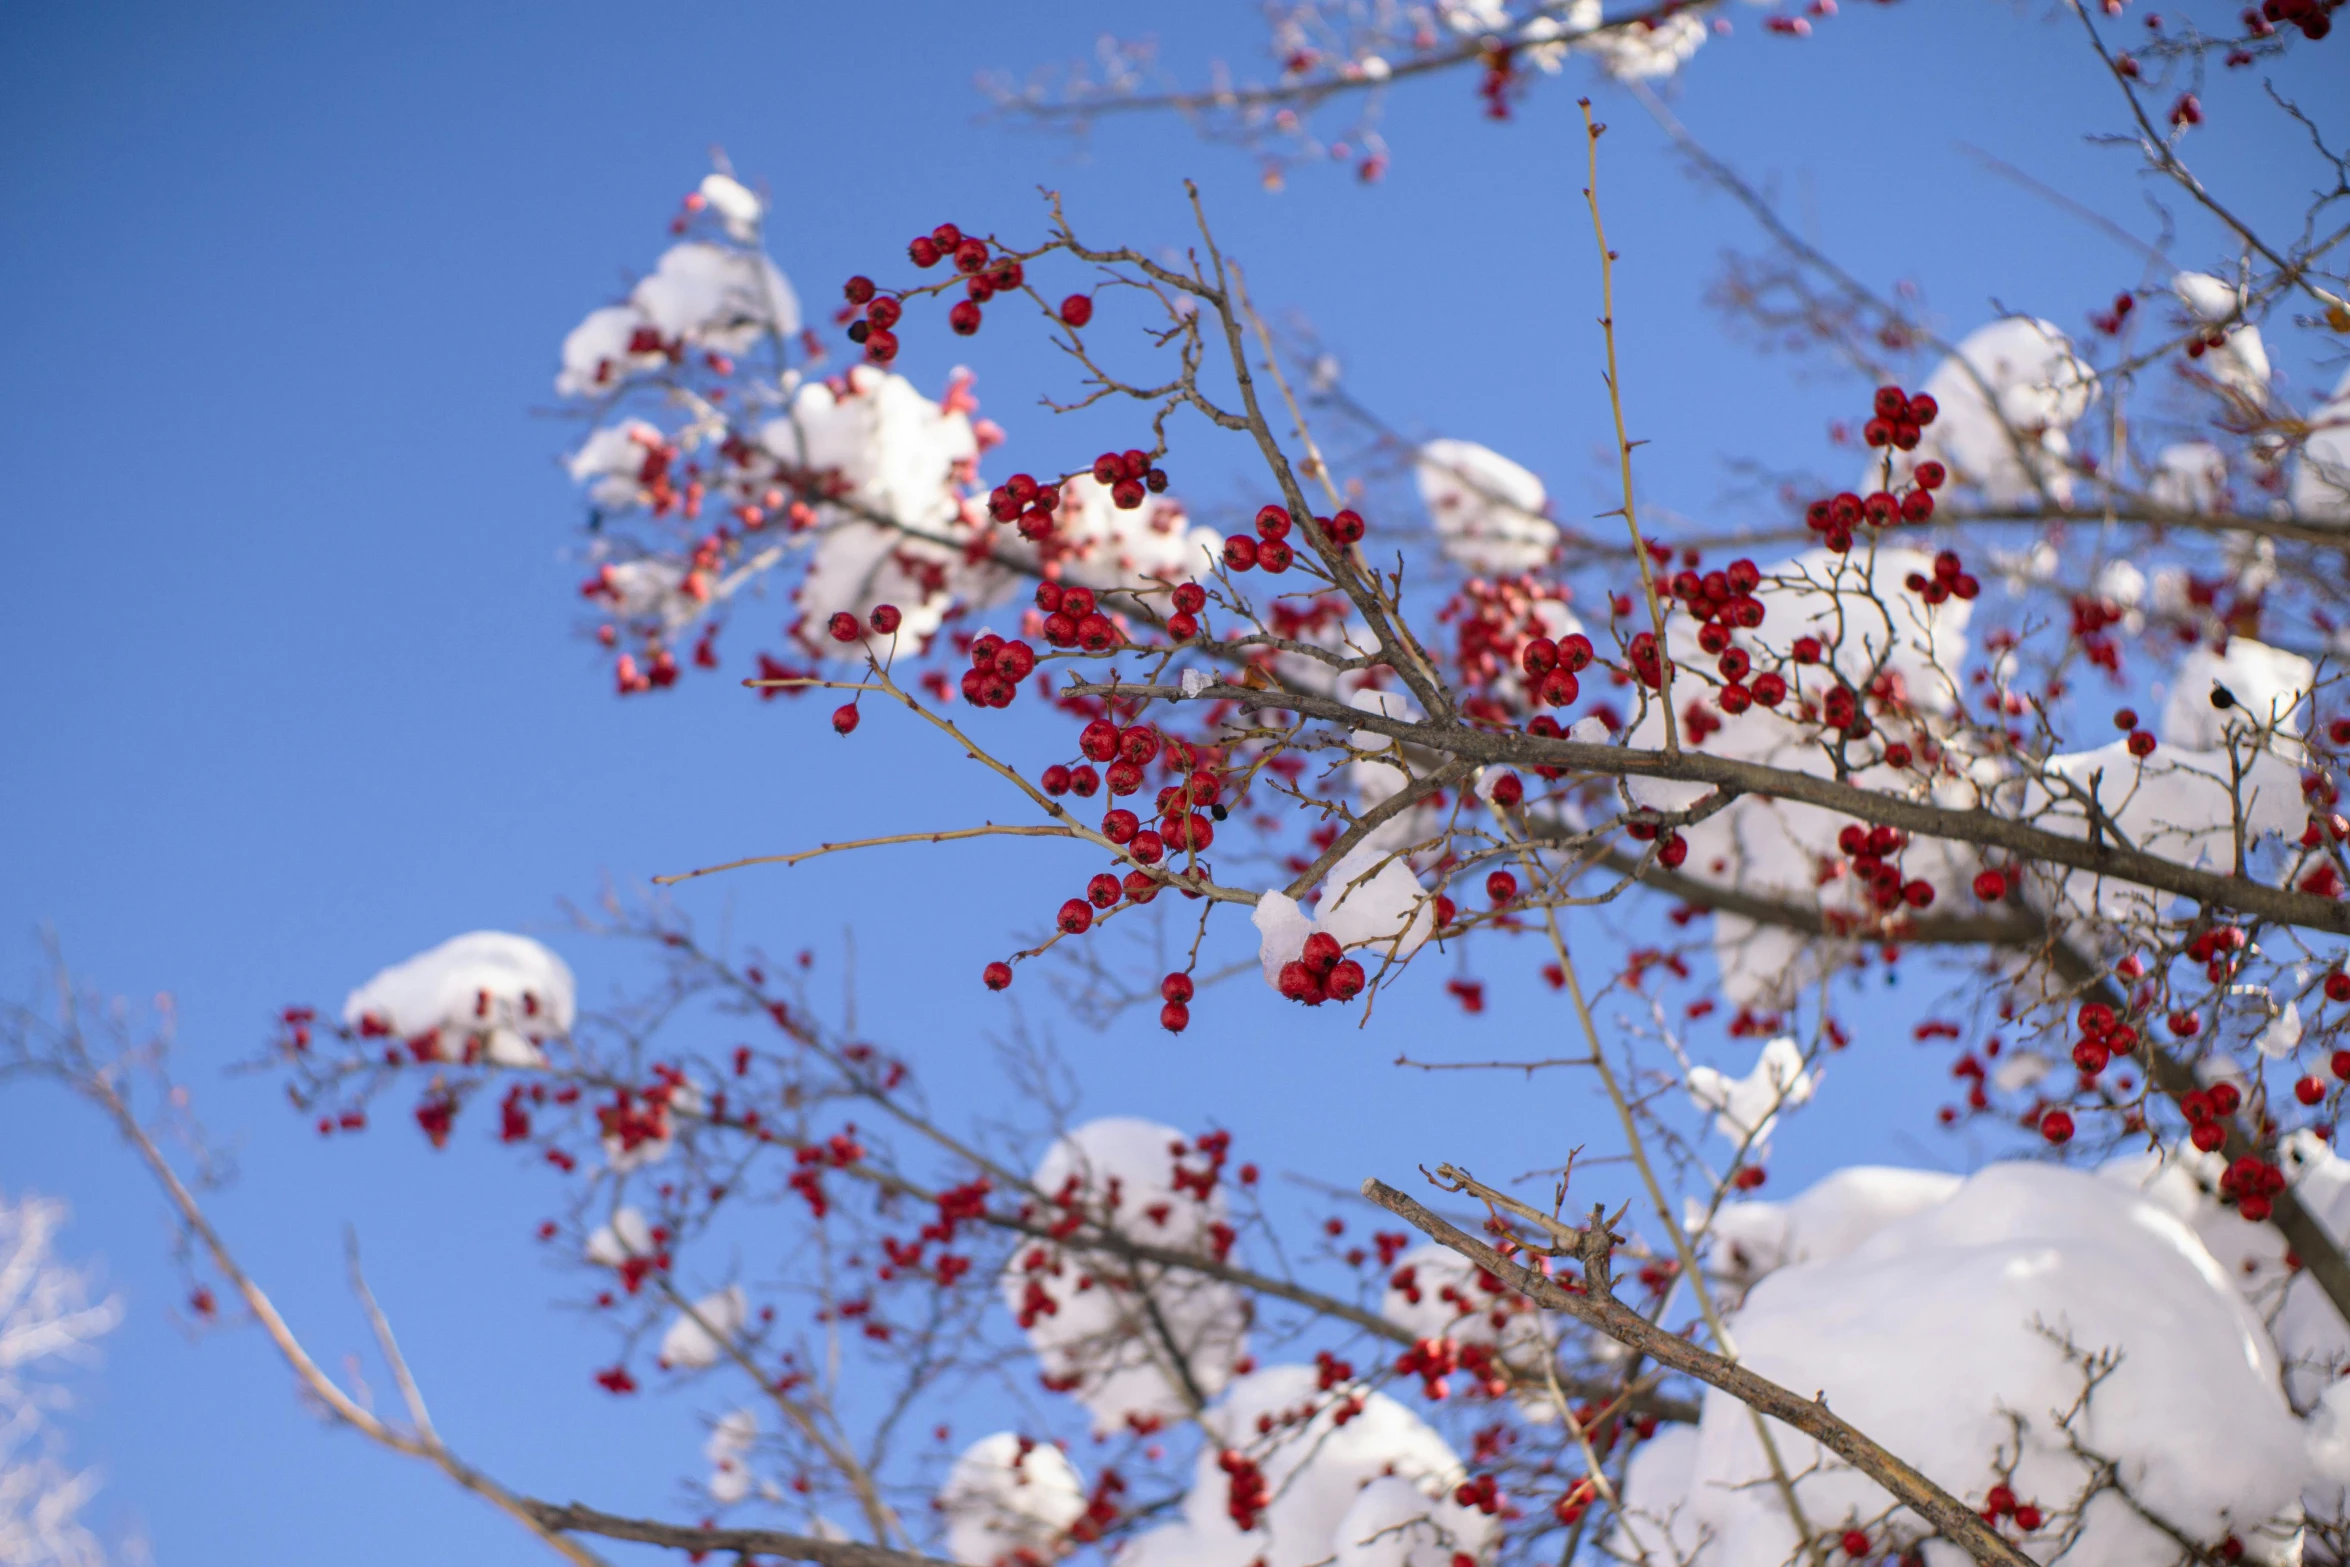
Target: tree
x,y
1387,731
46,1317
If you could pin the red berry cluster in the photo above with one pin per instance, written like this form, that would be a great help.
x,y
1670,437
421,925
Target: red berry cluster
x,y
1175,991
1875,855
1128,475
1246,1493
2254,1183
873,330
2000,1502
1949,581
1899,421
1073,619
997,668
1480,1492
2313,17
1552,667
2212,947
1271,548
2110,322
1322,973
1021,500
2207,1111
2103,1037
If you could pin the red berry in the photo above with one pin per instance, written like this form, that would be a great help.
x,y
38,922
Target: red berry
x,y
1175,1017
843,627
1346,980
885,618
2309,1090
1240,552
1175,987
1502,888
1855,1542
1273,554
1990,886
2141,744
964,318
2057,1126
1672,851
1076,917
1508,789
844,719
1273,522
997,975
1077,309
923,251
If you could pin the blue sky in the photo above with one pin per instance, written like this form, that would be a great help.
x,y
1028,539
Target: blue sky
x,y
294,691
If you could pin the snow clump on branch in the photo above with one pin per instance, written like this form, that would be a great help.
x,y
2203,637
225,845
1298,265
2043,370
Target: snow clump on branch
x,y
1138,1342
485,996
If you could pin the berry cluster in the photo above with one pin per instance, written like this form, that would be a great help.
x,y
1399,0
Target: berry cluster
x,y
1073,618
2313,17
1128,475
1271,548
1874,856
1029,505
1950,580
2207,1110
997,668
2000,1502
1247,1494
1551,669
1322,973
1899,420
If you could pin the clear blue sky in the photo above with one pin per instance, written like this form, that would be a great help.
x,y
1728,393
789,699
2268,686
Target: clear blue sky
x,y
292,689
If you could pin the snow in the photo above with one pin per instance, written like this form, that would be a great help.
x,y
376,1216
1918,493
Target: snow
x,y
619,1238
2037,388
596,357
896,456
1929,1336
1371,903
1105,1328
1646,49
610,459
2182,801
716,298
1488,512
729,1453
1871,625
1316,1472
2267,683
1101,546
703,296
2190,476
735,204
2240,366
2309,1335
486,995
1746,1109
1008,1498
2321,479
697,1339
1827,1220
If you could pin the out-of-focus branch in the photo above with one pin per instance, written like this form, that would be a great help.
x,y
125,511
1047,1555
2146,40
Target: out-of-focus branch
x,y
1596,1307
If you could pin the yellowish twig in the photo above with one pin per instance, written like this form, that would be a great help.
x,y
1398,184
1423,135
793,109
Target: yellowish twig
x,y
991,830
1615,397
